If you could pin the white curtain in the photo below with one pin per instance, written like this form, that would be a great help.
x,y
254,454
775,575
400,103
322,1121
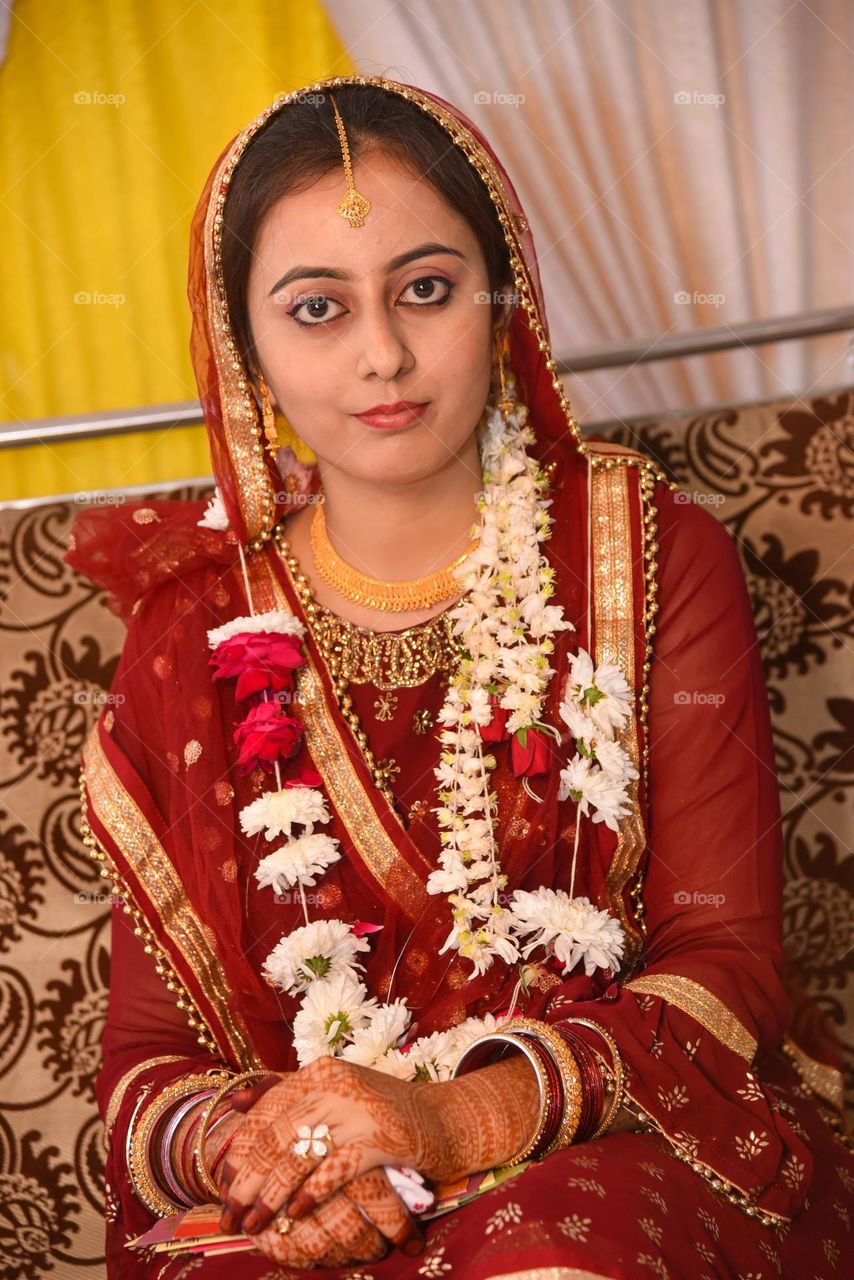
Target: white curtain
x,y
684,163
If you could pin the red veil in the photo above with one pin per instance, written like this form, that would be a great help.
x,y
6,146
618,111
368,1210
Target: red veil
x,y
699,1008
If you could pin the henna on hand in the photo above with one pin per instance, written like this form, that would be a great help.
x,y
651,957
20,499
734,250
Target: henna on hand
x,y
444,1130
336,1235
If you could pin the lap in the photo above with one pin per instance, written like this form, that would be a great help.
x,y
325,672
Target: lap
x,y
624,1208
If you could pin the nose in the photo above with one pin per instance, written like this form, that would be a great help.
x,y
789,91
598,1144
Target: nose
x,y
381,346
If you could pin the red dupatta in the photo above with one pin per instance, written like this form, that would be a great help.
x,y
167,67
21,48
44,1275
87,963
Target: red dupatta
x,y
161,799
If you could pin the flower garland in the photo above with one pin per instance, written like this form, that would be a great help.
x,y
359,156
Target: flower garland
x,y
497,693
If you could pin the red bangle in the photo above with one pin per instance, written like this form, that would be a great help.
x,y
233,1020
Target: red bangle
x,y
593,1084
554,1113
220,1155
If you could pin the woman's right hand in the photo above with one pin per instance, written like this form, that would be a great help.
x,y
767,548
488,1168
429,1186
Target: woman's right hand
x,y
355,1225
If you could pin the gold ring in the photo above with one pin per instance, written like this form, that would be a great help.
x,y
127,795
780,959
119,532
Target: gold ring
x,y
283,1223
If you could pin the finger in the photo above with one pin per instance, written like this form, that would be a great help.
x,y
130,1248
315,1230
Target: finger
x,y
347,1227
244,1099
267,1178
335,1235
341,1166
376,1197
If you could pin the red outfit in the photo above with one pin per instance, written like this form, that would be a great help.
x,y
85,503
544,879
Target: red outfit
x,y
700,1006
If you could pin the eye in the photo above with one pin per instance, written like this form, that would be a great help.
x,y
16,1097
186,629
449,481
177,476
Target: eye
x,y
316,306
431,298
317,300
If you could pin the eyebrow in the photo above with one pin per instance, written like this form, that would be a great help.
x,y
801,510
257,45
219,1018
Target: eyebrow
x,y
332,273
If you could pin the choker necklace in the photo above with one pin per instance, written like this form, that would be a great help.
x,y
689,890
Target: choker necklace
x,y
395,597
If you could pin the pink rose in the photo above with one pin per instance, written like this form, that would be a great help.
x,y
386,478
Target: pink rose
x,y
266,735
260,660
531,758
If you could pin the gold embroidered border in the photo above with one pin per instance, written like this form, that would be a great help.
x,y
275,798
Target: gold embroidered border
x,y
615,642
117,1097
128,826
350,800
823,1079
702,1005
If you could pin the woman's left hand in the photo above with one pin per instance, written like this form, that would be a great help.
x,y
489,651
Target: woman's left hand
x,y
374,1119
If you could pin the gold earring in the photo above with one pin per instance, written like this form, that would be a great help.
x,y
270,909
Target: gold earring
x,y
505,403
268,417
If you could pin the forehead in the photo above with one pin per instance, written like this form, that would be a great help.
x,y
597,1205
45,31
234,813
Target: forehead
x,y
406,210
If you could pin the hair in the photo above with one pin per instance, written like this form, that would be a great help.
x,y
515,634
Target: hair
x,y
300,144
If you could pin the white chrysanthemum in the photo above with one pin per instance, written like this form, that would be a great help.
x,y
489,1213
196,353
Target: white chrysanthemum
x,y
312,953
600,692
277,812
215,516
432,1057
371,1043
300,861
572,927
471,1029
276,621
332,1010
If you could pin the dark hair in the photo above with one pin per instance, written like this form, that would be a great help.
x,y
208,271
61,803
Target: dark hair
x,y
300,144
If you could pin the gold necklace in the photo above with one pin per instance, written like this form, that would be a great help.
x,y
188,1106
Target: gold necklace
x,y
389,597
382,771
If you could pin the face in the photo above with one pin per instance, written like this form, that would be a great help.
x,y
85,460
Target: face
x,y
353,325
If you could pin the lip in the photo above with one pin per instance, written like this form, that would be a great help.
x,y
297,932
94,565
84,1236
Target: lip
x,y
389,416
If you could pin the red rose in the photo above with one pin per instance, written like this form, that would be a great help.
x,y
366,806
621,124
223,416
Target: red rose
x,y
531,758
266,735
260,660
496,730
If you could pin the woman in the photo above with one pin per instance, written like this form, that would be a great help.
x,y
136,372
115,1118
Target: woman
x,y
440,792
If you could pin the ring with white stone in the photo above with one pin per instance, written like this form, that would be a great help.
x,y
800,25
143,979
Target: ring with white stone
x,y
312,1142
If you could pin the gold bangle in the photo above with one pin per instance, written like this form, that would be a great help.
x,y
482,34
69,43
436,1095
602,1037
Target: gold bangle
x,y
616,1067
570,1075
233,1082
517,1042
139,1168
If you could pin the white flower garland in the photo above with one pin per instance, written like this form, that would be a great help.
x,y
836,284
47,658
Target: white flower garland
x,y
506,625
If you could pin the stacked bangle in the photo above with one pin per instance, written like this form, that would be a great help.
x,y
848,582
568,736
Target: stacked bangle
x,y
613,1078
204,1176
569,1074
139,1143
562,1094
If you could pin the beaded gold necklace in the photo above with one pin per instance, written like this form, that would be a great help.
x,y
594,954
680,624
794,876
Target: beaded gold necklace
x,y
402,659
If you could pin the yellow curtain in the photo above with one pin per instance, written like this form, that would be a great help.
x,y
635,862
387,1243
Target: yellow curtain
x,y
113,115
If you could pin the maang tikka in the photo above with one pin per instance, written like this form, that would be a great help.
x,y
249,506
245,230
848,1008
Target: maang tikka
x,y
353,205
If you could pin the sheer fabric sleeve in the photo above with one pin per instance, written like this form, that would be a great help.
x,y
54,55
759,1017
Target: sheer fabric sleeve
x,y
710,999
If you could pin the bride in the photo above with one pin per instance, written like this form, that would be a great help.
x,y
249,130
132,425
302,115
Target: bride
x,y
440,794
